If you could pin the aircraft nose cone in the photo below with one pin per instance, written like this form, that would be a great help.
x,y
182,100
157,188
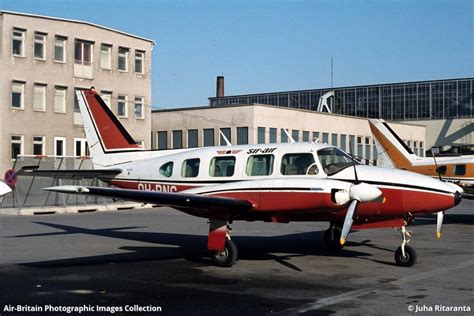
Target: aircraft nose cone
x,y
457,198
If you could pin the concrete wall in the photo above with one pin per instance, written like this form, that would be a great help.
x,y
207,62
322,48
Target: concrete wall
x,y
254,116
47,123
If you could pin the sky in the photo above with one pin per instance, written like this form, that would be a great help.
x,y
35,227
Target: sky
x,y
264,46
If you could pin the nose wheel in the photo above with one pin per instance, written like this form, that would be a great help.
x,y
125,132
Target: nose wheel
x,y
405,256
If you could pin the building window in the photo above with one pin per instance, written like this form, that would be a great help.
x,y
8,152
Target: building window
x,y
273,135
190,168
139,107
283,136
139,62
242,135
39,46
123,59
59,146
82,53
334,139
261,135
325,138
18,95
315,136
260,165
76,102
17,146
60,49
305,136
39,97
208,137
81,148
18,42
162,140
122,106
177,139
192,138
295,135
106,56
343,142
222,166
60,99
107,97
226,132
38,145
359,147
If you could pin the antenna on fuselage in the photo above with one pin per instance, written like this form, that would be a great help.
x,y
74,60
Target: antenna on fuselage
x,y
289,136
225,138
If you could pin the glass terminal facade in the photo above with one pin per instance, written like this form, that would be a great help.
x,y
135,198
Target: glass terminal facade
x,y
422,100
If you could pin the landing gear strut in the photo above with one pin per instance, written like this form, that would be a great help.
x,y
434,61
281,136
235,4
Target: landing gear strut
x,y
224,251
332,237
405,255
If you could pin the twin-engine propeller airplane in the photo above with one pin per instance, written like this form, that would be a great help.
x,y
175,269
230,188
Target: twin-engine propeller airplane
x,y
274,182
459,170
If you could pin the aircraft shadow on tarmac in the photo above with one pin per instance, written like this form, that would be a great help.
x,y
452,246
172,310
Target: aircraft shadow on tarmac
x,y
193,247
465,219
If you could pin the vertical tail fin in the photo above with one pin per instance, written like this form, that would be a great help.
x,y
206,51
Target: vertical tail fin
x,y
390,145
105,134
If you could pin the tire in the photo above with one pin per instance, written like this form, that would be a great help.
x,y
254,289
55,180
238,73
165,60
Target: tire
x,y
409,259
331,238
227,257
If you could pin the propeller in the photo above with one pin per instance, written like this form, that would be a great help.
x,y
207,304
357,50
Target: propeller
x,y
439,224
358,192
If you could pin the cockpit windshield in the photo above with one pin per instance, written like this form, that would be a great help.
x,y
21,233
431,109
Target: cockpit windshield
x,y
334,160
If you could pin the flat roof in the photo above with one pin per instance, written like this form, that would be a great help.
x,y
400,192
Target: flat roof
x,y
76,21
273,107
337,88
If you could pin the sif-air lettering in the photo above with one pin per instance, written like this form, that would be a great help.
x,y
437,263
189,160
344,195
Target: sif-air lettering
x,y
261,150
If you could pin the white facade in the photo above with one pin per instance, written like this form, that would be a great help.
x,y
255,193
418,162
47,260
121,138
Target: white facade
x,y
253,124
43,60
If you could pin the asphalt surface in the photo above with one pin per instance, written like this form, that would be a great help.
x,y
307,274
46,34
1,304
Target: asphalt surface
x,y
157,258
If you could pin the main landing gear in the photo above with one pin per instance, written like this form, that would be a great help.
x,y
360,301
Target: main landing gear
x,y
224,251
405,255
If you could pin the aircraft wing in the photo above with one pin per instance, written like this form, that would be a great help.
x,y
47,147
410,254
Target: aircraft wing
x,y
176,199
34,171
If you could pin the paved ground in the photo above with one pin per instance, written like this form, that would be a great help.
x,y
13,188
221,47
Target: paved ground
x,y
158,258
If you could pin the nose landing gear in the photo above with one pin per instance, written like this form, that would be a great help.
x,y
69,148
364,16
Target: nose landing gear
x,y
405,256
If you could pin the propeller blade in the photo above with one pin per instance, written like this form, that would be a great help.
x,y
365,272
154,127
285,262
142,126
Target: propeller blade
x,y
348,221
439,224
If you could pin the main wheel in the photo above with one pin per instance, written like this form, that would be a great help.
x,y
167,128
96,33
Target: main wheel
x,y
332,237
408,260
226,257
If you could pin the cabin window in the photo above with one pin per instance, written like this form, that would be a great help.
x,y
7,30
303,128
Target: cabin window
x,y
459,170
297,164
441,170
222,166
260,165
167,169
190,168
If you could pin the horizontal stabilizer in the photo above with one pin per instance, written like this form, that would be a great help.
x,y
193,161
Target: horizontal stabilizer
x,y
69,174
4,189
177,200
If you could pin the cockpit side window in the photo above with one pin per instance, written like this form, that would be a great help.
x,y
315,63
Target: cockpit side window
x,y
334,160
297,164
167,169
222,166
190,168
